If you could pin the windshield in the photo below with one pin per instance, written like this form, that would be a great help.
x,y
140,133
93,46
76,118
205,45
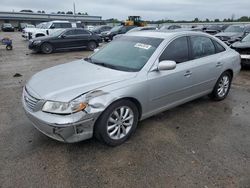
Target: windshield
x,y
127,53
30,26
7,25
235,29
214,27
247,38
116,28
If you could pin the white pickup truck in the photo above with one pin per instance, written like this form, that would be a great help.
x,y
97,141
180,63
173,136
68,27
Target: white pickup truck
x,y
26,33
48,28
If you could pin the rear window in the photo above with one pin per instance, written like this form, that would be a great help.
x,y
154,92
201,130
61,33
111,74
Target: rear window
x,y
219,47
201,46
61,25
82,32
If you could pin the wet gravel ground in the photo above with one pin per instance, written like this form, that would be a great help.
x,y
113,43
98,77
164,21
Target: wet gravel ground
x,y
199,144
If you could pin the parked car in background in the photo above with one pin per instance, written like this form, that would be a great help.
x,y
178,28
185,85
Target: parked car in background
x,y
102,28
132,78
7,27
215,29
74,38
29,26
51,27
243,47
27,31
233,33
170,27
21,26
146,28
90,27
108,35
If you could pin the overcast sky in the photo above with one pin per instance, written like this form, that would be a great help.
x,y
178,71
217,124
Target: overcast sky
x,y
148,9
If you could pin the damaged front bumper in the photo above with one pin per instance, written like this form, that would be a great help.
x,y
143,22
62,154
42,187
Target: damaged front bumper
x,y
65,128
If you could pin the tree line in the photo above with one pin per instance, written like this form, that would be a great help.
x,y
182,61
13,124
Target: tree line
x,y
197,20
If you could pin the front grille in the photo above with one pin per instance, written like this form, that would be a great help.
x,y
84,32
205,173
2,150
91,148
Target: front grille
x,y
242,51
29,100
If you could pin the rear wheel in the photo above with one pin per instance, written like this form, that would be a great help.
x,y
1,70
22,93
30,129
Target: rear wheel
x,y
92,45
47,48
222,87
117,123
9,47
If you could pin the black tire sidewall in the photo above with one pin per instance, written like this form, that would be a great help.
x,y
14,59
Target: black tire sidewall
x,y
100,130
89,45
43,46
215,91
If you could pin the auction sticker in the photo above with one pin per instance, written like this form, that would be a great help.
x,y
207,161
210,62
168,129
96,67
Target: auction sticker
x,y
143,46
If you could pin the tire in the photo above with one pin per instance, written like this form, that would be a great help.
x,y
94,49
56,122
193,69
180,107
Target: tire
x,y
47,48
9,47
112,128
92,45
222,87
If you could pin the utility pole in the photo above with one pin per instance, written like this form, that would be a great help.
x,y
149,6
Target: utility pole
x,y
74,8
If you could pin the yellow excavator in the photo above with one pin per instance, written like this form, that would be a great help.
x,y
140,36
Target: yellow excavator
x,y
135,21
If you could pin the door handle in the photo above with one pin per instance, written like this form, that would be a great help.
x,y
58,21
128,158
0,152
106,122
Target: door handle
x,y
188,73
218,64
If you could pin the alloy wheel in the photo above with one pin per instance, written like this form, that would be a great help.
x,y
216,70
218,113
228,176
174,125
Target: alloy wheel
x,y
120,122
223,86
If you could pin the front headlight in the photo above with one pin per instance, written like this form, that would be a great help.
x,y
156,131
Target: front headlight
x,y
63,107
37,42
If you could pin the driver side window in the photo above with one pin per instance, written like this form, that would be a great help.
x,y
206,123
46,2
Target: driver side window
x,y
176,51
70,32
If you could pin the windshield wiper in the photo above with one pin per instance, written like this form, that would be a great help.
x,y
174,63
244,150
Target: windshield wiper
x,y
116,67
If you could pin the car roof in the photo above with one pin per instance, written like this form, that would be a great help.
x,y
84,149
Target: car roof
x,y
164,35
74,28
59,21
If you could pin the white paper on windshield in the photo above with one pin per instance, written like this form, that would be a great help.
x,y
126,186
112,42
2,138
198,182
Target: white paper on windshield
x,y
143,46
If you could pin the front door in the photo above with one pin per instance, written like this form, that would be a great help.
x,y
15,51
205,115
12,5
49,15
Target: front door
x,y
171,87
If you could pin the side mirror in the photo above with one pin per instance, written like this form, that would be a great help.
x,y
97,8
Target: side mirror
x,y
62,36
166,65
52,27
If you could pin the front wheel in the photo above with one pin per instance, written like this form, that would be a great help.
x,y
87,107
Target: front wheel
x,y
222,87
47,48
117,123
92,45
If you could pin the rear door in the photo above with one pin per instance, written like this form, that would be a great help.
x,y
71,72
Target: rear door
x,y
83,37
206,63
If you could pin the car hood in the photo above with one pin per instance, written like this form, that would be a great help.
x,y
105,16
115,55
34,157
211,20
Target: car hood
x,y
105,32
241,44
228,34
29,29
68,81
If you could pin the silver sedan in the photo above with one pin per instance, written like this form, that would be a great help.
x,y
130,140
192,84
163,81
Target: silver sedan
x,y
132,78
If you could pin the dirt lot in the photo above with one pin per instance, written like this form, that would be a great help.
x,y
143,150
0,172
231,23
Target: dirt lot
x,y
199,144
